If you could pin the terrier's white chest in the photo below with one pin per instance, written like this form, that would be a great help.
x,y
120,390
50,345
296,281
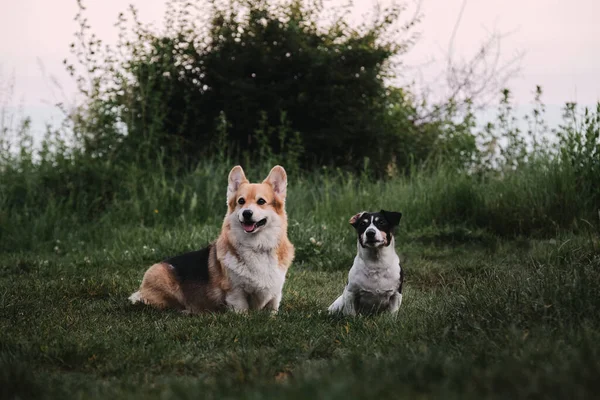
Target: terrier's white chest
x,y
375,286
375,277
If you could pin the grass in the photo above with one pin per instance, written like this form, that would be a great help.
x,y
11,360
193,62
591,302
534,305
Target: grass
x,y
501,298
40,204
482,317
501,259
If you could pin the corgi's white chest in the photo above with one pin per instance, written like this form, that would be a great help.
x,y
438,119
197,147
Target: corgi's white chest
x,y
255,271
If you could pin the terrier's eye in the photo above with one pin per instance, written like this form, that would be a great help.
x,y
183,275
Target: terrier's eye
x,y
381,222
363,223
261,201
241,201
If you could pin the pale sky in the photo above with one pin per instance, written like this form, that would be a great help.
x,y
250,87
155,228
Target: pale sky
x,y
560,40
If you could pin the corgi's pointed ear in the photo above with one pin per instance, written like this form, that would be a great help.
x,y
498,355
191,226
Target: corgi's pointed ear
x,y
393,218
278,180
354,220
236,178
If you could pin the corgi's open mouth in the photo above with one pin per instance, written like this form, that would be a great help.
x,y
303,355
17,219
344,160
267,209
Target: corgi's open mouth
x,y
251,227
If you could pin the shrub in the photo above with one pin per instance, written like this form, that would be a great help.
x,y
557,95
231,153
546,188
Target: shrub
x,y
256,65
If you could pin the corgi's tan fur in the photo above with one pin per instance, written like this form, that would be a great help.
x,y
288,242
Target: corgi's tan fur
x,y
244,268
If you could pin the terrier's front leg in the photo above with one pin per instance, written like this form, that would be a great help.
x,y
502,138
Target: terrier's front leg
x,y
395,302
349,307
337,305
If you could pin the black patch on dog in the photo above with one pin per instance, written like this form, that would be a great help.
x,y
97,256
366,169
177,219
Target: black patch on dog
x,y
192,266
401,280
385,221
357,304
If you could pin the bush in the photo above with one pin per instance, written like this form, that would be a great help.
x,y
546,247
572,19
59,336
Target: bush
x,y
258,66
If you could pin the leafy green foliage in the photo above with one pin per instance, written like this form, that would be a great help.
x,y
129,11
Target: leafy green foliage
x,y
579,147
255,63
62,190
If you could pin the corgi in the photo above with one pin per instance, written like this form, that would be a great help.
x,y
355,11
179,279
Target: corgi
x,y
244,269
376,277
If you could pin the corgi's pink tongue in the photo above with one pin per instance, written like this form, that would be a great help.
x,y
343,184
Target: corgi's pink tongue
x,y
248,227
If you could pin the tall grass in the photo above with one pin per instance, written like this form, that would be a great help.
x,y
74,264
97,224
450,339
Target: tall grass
x,y
539,198
525,187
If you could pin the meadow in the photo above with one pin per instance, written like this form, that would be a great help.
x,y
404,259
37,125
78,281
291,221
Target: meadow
x,y
485,313
499,239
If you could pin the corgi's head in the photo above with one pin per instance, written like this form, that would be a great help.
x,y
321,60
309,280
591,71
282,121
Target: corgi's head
x,y
375,229
257,209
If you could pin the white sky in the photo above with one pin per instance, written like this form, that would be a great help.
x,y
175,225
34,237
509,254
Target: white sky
x,y
560,40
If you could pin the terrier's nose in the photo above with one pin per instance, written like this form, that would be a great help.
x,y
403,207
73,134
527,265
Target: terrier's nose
x,y
370,234
247,214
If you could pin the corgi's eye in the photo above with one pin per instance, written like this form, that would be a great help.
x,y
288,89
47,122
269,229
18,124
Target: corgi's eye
x,y
241,201
261,201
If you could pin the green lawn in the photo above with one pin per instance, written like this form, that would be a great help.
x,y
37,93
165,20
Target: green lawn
x,y
481,317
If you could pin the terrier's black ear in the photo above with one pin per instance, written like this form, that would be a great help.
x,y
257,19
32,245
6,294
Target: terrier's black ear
x,y
393,218
355,218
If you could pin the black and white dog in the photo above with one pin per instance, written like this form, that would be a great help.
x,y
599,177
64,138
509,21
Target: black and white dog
x,y
375,279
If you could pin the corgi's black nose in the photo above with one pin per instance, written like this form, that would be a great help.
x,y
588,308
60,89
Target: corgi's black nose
x,y
247,214
370,234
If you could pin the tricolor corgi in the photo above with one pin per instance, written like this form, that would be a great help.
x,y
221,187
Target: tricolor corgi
x,y
244,269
